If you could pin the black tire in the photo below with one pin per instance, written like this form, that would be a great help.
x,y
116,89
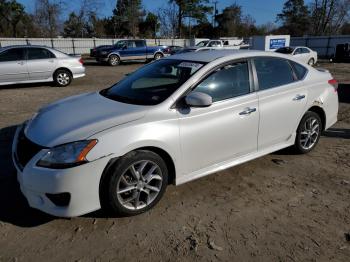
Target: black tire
x,y
111,200
158,56
311,62
300,141
62,77
113,60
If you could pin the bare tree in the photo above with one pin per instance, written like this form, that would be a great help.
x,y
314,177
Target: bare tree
x,y
168,18
328,16
47,14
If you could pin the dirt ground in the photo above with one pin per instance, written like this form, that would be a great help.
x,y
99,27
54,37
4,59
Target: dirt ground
x,y
281,207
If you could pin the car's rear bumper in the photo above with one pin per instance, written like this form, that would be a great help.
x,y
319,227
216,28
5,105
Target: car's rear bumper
x,y
81,183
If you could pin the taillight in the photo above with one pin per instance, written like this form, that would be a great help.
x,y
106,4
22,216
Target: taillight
x,y
334,83
81,61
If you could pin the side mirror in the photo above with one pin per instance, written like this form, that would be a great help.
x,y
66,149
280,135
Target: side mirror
x,y
125,47
198,99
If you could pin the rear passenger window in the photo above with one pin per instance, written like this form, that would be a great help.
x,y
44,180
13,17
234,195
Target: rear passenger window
x,y
273,72
140,43
39,53
227,82
299,70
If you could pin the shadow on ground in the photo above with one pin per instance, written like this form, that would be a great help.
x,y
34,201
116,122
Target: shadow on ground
x,y
344,93
337,133
14,208
29,85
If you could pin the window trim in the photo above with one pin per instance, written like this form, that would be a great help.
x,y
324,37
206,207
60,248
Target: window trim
x,y
294,70
178,103
271,57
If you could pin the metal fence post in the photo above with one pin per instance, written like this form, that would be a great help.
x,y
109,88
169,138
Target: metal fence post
x,y
52,43
27,41
94,42
73,46
0,43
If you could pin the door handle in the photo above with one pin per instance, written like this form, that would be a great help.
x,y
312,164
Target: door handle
x,y
299,97
247,111
20,63
51,61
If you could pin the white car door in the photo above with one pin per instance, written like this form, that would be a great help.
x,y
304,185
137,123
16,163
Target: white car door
x,y
228,128
282,99
13,66
41,63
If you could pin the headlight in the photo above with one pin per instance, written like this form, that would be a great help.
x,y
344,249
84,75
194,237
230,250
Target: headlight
x,y
67,155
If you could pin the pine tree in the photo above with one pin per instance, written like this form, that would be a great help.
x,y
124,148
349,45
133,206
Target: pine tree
x,y
294,18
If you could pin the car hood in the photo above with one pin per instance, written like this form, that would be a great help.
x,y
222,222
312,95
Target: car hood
x,y
79,117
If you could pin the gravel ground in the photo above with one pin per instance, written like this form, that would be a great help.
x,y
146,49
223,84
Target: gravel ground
x,y
281,207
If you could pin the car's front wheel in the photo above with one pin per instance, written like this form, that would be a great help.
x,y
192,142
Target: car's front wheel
x,y
62,77
308,132
136,183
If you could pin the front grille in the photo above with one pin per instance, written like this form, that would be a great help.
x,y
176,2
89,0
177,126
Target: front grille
x,y
26,149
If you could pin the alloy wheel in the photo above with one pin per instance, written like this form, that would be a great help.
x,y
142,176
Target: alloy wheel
x,y
309,133
63,78
139,185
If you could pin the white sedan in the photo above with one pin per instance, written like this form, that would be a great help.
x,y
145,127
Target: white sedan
x,y
22,64
300,53
172,121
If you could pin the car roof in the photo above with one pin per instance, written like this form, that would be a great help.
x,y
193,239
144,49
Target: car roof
x,y
24,46
211,55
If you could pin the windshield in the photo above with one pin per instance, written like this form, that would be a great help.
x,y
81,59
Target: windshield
x,y
153,83
285,50
202,43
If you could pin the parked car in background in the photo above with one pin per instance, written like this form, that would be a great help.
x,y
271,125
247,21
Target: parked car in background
x,y
300,53
126,50
223,43
342,53
32,64
172,121
174,49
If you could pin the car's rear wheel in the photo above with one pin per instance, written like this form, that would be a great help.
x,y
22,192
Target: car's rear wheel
x,y
158,56
308,132
113,60
311,62
62,77
136,183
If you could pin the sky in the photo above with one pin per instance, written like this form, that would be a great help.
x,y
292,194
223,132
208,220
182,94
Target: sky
x,y
262,11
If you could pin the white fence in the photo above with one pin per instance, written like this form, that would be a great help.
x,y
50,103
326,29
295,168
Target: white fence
x,y
82,45
323,45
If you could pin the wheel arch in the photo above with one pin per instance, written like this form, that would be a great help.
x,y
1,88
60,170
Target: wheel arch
x,y
322,114
113,53
158,52
157,150
62,68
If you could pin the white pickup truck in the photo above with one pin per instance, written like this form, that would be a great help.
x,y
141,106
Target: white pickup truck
x,y
221,43
206,45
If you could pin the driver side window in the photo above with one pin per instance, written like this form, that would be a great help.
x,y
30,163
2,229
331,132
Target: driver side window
x,y
227,82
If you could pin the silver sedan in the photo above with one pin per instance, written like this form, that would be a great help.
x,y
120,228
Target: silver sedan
x,y
32,64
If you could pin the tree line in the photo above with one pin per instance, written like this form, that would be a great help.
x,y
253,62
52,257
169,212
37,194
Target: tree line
x,y
176,19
